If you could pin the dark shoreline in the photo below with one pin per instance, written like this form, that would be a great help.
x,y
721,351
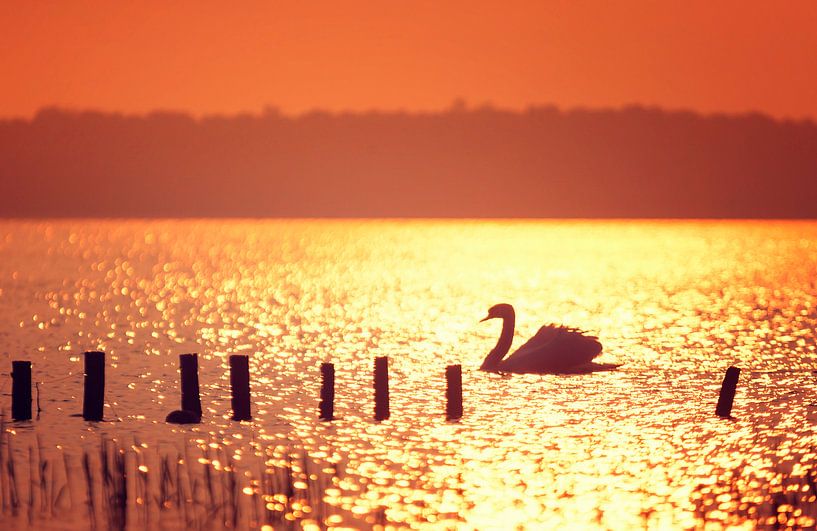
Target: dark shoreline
x,y
635,162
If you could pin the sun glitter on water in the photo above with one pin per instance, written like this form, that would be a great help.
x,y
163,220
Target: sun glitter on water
x,y
674,302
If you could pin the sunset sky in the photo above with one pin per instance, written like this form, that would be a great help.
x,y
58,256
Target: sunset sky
x,y
209,57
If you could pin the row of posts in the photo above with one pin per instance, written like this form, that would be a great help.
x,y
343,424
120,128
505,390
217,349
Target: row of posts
x,y
94,393
191,412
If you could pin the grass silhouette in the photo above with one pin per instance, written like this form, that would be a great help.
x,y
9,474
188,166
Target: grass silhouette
x,y
200,486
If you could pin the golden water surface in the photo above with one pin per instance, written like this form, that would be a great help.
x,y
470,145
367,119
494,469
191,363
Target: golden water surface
x,y
675,303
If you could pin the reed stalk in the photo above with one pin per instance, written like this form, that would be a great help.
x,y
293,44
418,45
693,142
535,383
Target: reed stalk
x,y
290,486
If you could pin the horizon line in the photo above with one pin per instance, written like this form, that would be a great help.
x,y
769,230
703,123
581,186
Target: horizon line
x,y
458,106
4,219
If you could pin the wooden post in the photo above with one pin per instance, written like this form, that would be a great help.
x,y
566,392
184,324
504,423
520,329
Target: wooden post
x,y
327,404
381,388
453,392
240,385
94,397
21,390
189,367
727,396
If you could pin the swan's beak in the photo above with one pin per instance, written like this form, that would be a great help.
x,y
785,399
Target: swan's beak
x,y
485,318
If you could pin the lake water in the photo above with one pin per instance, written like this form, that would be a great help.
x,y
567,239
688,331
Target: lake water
x,y
675,303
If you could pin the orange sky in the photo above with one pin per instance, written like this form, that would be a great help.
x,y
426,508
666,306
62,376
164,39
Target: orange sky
x,y
208,57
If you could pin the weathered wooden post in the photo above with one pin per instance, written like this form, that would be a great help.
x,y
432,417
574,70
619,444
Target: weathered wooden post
x,y
381,388
327,404
94,397
240,385
189,368
727,396
453,392
21,390
190,413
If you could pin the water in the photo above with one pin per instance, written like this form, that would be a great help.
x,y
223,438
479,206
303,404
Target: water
x,y
675,302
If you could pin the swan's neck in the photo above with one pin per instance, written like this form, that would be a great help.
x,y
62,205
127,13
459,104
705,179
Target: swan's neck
x,y
502,346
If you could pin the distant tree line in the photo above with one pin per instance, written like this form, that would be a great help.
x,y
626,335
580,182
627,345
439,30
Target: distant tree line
x,y
484,162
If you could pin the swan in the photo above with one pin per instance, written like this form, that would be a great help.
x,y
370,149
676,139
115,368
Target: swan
x,y
554,348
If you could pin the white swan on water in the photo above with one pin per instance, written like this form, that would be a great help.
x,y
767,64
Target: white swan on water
x,y
554,349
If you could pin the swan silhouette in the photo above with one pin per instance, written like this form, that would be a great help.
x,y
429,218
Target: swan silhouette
x,y
554,349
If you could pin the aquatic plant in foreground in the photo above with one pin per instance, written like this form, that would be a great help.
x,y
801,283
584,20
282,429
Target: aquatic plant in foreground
x,y
201,486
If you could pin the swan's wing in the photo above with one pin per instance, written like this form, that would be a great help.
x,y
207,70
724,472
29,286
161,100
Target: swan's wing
x,y
553,348
544,336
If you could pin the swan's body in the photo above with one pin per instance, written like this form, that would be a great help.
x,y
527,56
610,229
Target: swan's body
x,y
553,349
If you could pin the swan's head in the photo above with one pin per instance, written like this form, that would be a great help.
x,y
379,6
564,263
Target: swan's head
x,y
500,311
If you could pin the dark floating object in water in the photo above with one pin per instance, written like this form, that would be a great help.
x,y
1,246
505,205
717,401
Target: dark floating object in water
x,y
327,403
240,386
21,390
381,388
554,349
181,416
727,396
94,396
